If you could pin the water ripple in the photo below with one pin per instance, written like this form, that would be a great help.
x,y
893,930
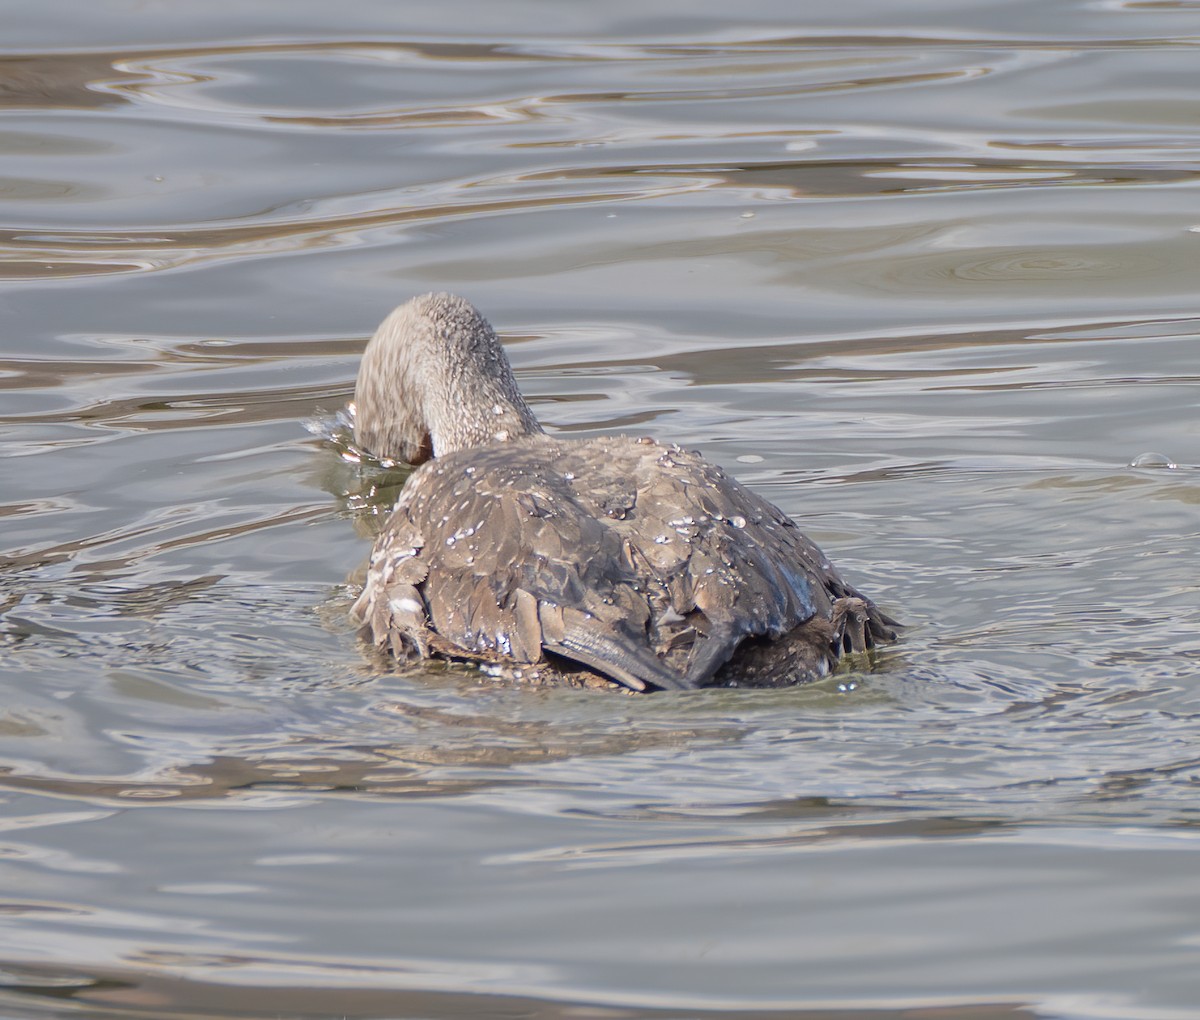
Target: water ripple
x,y
927,285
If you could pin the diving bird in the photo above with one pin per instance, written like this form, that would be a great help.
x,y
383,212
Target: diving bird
x,y
620,558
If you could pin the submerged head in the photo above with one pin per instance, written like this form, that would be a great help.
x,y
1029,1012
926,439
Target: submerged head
x,y
435,379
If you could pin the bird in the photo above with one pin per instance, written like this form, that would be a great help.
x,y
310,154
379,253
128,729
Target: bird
x,y
617,560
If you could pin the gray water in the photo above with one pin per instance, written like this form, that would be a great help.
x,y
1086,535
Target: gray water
x,y
924,273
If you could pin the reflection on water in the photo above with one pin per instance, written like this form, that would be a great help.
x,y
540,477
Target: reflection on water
x,y
927,284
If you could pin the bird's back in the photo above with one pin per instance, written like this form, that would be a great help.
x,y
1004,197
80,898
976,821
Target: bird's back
x,y
638,561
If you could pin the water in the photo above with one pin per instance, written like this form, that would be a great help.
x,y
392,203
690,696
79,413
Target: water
x,y
922,273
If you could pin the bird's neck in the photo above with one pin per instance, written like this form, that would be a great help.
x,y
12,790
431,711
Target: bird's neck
x,y
474,402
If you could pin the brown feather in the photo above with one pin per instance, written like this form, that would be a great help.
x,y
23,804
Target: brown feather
x,y
525,560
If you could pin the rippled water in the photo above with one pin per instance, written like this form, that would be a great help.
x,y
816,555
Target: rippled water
x,y
923,273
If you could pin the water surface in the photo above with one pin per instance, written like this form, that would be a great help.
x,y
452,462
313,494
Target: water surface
x,y
923,274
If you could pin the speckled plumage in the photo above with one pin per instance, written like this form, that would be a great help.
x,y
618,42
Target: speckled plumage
x,y
621,557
